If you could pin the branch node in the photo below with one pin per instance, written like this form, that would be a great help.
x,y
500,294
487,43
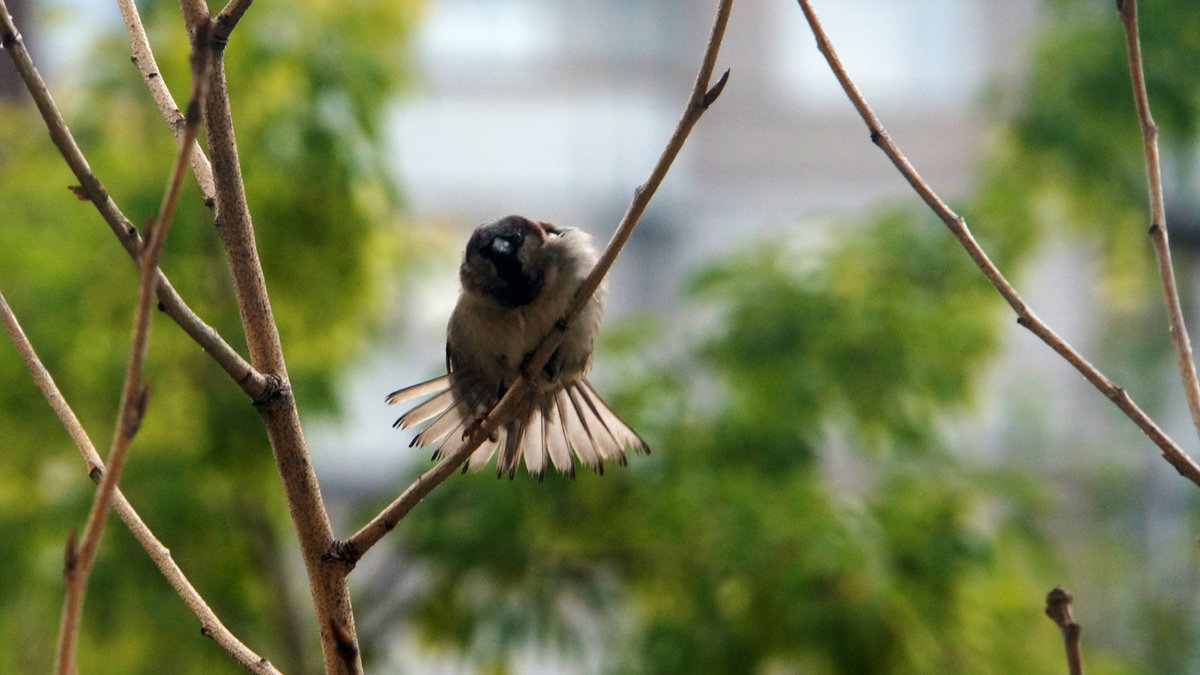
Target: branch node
x,y
137,411
274,388
343,551
876,136
1155,228
96,473
71,554
220,36
1058,606
714,91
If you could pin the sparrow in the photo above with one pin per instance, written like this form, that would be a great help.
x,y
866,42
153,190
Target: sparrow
x,y
518,277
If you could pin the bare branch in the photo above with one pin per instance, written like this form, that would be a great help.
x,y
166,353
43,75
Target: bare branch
x,y
251,381
134,393
1158,217
1058,608
958,227
143,58
703,95
210,624
326,576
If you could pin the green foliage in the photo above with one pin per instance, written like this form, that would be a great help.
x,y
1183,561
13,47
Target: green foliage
x,y
1074,155
1072,161
862,332
309,81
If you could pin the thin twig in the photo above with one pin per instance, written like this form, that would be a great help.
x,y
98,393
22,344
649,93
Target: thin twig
x,y
210,624
1158,216
702,96
958,227
326,576
1058,608
143,58
251,381
134,393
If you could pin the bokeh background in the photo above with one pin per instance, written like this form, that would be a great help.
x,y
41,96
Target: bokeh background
x,y
861,463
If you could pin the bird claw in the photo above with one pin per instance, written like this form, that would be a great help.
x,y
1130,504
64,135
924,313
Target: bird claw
x,y
474,426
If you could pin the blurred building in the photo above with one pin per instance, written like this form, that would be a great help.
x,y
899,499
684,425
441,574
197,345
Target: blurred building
x,y
558,110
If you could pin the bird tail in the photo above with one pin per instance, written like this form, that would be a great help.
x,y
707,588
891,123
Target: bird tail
x,y
547,429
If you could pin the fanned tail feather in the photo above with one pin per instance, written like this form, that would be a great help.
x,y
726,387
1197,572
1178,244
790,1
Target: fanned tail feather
x,y
548,428
576,432
437,405
517,431
609,434
483,455
418,390
554,437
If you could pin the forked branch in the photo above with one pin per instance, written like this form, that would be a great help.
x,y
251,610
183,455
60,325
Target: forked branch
x,y
143,58
958,227
134,393
277,406
250,380
704,93
210,624
1158,213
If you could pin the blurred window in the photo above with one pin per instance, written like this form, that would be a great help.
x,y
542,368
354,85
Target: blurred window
x,y
478,30
898,51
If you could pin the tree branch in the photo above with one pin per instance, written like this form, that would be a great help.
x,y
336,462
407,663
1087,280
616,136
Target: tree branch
x,y
326,576
1158,217
134,394
958,227
702,96
210,624
143,59
251,381
228,19
1058,608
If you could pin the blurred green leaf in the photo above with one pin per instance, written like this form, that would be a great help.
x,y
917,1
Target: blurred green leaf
x,y
309,82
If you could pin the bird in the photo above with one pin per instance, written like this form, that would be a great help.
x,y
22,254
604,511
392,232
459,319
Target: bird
x,y
518,277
